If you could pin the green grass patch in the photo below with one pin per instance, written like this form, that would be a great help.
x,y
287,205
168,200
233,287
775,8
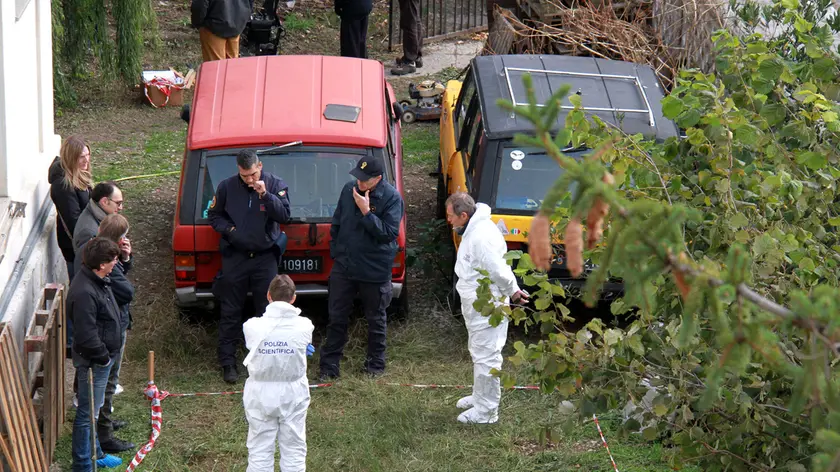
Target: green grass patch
x,y
156,153
421,143
359,424
296,22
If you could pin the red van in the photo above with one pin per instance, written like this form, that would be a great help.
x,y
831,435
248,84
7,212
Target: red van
x,y
338,109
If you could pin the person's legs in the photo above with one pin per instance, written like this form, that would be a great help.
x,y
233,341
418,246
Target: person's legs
x,y
232,47
81,446
363,31
375,301
485,345
262,434
347,38
105,423
342,292
412,30
212,46
231,290
292,440
262,271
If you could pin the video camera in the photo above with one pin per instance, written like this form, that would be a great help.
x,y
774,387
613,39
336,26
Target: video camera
x,y
264,31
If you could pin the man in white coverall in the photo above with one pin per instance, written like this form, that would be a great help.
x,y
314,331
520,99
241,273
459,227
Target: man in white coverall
x,y
276,393
482,247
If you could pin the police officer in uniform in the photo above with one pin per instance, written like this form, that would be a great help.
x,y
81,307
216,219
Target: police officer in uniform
x,y
364,233
247,211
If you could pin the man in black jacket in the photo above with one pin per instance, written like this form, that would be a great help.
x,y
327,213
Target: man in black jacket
x,y
363,245
219,23
354,26
247,211
115,228
93,309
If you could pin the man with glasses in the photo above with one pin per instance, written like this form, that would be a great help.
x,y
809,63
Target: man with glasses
x,y
105,199
247,211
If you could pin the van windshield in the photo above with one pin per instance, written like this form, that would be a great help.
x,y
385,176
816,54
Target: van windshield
x,y
525,177
315,178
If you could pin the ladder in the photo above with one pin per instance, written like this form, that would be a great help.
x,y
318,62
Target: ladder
x,y
632,78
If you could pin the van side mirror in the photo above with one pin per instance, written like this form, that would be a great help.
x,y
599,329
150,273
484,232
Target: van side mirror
x,y
185,112
398,110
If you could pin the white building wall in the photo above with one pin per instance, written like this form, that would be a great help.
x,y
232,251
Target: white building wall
x,y
28,144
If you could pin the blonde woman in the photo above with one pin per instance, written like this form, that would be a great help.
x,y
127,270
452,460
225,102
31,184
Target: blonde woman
x,y
70,185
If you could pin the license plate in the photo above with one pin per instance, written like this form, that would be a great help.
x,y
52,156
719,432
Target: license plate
x,y
301,265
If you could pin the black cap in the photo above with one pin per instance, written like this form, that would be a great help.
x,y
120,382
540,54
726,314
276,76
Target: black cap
x,y
368,167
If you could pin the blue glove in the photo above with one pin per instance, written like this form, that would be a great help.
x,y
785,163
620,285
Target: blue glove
x,y
310,349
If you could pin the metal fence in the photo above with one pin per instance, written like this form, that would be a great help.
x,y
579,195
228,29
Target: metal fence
x,y
441,19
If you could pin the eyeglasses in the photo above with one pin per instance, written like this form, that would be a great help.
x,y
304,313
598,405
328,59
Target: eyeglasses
x,y
118,203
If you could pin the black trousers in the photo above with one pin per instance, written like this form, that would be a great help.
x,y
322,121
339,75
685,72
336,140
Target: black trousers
x,y
412,29
353,37
241,272
375,299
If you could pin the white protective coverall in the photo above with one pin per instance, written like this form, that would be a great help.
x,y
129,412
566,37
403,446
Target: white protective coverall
x,y
483,247
276,393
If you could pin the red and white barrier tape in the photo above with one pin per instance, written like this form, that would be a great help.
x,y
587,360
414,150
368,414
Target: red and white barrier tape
x,y
605,442
155,396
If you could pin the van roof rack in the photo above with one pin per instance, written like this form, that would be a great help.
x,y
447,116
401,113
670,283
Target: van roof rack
x,y
632,78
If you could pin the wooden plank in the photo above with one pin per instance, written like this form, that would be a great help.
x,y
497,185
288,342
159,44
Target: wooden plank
x,y
22,408
12,416
41,317
4,447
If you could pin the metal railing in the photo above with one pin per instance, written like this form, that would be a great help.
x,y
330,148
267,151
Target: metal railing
x,y
440,19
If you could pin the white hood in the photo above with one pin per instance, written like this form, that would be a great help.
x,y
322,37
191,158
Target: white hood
x,y
483,247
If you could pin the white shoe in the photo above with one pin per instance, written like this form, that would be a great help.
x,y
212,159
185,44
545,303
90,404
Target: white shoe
x,y
118,390
466,402
472,416
75,401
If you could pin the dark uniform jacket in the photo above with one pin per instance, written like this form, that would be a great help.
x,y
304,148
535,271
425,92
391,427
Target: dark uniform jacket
x,y
69,203
353,9
257,220
121,287
224,18
96,321
364,246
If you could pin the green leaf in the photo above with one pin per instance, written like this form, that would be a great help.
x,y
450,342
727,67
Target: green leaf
x,y
825,68
774,113
650,434
672,106
807,264
689,118
542,303
635,344
790,4
738,221
802,25
575,99
771,69
612,336
660,410
829,116
812,160
834,221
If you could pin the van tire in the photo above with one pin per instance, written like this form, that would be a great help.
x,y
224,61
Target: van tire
x,y
398,309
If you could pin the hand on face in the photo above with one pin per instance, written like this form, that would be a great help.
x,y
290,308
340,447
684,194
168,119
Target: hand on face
x,y
259,187
363,202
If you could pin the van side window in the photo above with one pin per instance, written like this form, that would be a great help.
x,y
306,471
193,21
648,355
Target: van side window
x,y
465,99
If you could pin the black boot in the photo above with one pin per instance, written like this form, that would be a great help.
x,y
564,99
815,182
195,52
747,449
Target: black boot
x,y
230,374
114,445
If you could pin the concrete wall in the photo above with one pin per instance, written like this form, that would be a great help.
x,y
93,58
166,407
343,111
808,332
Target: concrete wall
x,y
28,144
